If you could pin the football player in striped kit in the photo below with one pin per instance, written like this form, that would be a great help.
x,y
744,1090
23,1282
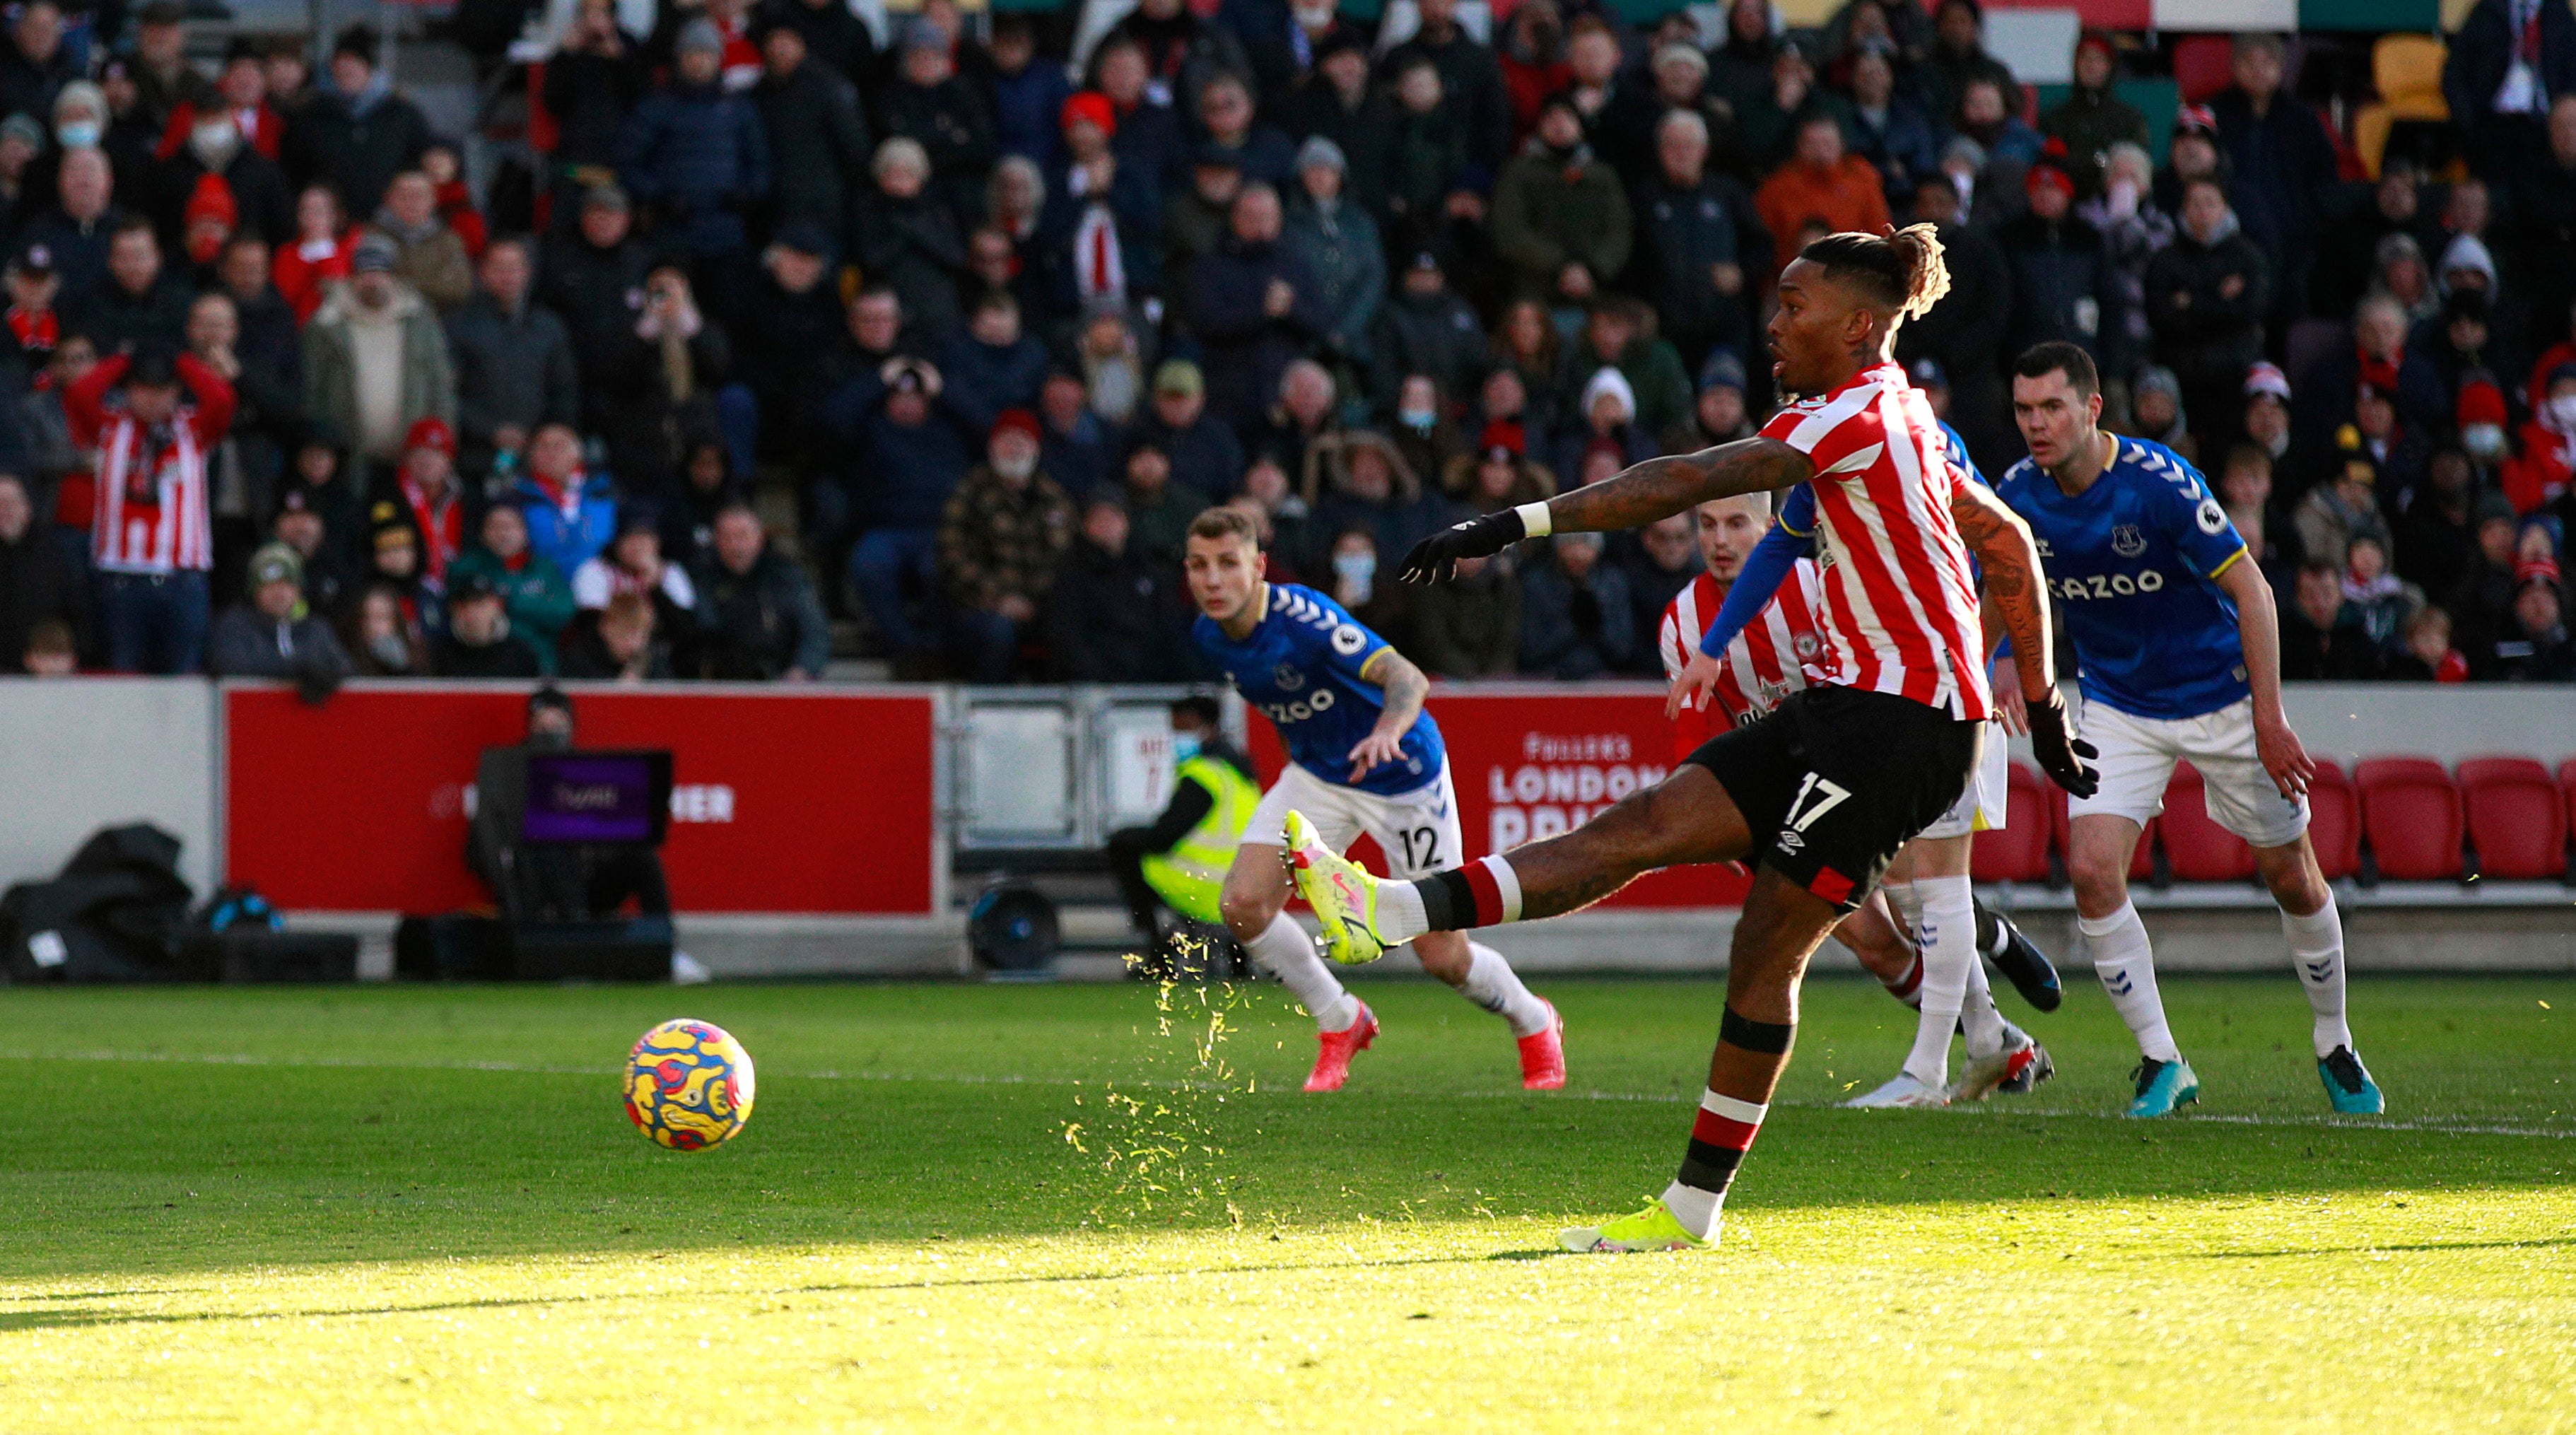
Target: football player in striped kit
x,y
1823,793
1749,622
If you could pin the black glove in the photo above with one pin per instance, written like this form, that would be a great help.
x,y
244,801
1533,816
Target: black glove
x,y
1435,559
2059,755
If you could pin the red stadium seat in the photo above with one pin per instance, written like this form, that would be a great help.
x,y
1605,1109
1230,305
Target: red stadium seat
x,y
2142,864
2203,66
2198,849
2567,787
2018,853
2516,817
2411,813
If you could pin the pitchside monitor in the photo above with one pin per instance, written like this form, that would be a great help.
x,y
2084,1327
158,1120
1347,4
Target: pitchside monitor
x,y
603,797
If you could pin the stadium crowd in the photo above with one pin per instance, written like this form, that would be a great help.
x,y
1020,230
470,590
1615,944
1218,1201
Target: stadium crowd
x,y
286,397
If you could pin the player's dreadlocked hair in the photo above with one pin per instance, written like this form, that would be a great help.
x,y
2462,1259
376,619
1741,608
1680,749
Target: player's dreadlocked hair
x,y
1903,272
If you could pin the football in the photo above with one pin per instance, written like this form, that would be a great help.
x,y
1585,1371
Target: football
x,y
688,1085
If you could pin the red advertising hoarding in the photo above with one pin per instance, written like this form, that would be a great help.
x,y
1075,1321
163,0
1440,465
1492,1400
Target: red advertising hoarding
x,y
1532,761
781,801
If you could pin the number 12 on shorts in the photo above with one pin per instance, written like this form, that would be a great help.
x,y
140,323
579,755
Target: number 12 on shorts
x,y
1421,847
1828,794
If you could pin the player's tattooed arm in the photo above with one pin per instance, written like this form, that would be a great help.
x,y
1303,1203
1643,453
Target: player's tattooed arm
x,y
1657,488
1677,483
2015,590
1404,688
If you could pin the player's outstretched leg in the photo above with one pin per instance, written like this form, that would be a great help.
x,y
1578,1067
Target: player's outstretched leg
x,y
1779,932
2099,847
2019,959
1255,891
2314,930
1686,818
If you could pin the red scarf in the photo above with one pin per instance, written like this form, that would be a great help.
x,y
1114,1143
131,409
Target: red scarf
x,y
37,332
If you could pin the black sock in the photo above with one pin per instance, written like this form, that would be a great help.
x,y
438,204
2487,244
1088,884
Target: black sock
x,y
1448,903
1990,929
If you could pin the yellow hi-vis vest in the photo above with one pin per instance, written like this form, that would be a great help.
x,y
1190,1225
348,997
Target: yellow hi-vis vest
x,y
1191,876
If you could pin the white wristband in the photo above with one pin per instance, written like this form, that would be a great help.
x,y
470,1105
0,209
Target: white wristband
x,y
1534,523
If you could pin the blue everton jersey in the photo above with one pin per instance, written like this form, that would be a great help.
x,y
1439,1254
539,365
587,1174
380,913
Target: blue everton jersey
x,y
2130,563
1300,667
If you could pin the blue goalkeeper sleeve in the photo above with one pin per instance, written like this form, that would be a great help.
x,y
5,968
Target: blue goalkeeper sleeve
x,y
1765,569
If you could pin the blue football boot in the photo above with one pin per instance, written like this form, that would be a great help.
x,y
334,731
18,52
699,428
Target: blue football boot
x,y
2348,1084
2162,1086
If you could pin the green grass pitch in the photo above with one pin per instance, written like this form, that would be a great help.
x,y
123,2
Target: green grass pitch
x,y
422,1209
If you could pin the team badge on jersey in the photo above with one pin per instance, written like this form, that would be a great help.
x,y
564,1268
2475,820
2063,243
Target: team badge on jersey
x,y
2211,517
1286,675
2127,541
1348,639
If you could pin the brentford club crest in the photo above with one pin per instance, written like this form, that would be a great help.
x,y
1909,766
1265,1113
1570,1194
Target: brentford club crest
x,y
2127,541
1806,645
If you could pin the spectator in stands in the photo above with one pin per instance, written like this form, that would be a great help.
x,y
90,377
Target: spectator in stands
x,y
913,453
163,78
2206,297
535,595
392,547
2092,118
633,563
1074,445
1618,333
593,80
375,359
693,152
908,240
1255,306
1159,508
1108,614
1423,328
1004,532
1195,219
819,142
571,511
1364,584
1690,259
479,642
1663,561
2065,288
2156,411
274,635
1822,183
2425,654
2537,649
1575,613
38,584
594,282
2461,342
1283,518
2385,601
427,495
1470,627
1469,76
317,257
994,365
152,543
2541,474
672,382
2506,65
357,133
267,403
1958,56
1768,128
513,362
1888,127
35,66
141,304
1337,103
77,228
1340,246
379,643
1719,414
1428,181
216,145
2245,491
318,484
931,105
2436,535
2276,146
1965,331
2343,505
1206,457
1357,479
1605,424
1498,475
428,255
2321,635
1561,219
758,618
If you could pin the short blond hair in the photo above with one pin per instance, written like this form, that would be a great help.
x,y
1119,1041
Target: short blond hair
x,y
1226,521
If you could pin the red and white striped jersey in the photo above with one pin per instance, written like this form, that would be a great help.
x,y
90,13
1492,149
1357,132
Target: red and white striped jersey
x,y
1776,654
1900,602
152,515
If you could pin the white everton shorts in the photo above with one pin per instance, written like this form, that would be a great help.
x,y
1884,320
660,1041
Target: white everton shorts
x,y
2137,760
1418,830
1981,806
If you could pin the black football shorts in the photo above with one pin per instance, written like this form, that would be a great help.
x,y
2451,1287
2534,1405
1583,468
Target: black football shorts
x,y
1836,780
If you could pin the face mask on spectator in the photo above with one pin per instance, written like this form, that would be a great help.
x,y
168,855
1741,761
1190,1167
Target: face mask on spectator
x,y
215,142
1015,466
2485,442
1418,420
1357,568
1185,745
77,134
389,650
2562,412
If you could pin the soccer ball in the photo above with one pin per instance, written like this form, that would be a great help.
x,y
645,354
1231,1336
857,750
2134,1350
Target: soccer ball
x,y
688,1085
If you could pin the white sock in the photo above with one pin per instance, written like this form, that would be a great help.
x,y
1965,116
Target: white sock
x,y
1984,1026
1949,935
1697,1210
2127,967
1907,905
1285,951
1399,913
2316,949
1493,985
